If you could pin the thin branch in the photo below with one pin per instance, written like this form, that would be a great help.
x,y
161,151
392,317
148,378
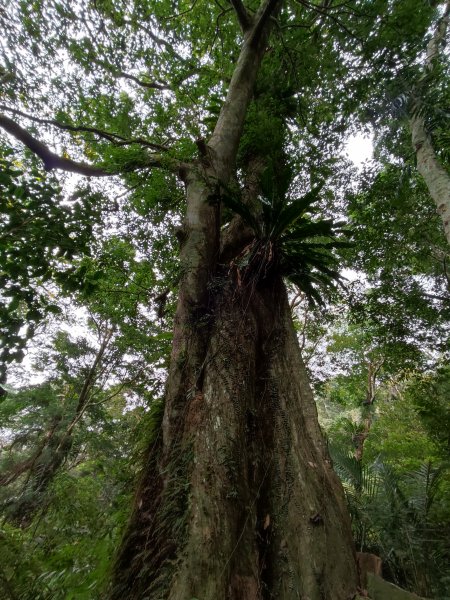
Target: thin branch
x,y
325,12
158,40
150,84
437,297
446,272
114,138
217,29
242,14
182,13
49,158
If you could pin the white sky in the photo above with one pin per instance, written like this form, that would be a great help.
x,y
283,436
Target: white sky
x,y
359,148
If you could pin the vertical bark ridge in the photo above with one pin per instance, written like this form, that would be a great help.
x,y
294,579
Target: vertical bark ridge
x,y
198,257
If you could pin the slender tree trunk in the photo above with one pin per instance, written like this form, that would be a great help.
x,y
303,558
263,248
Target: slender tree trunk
x,y
53,451
367,409
436,177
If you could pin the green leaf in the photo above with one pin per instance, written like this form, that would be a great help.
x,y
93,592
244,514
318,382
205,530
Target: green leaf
x,y
288,215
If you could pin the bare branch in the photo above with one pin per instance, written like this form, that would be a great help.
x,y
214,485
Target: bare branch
x,y
49,158
242,14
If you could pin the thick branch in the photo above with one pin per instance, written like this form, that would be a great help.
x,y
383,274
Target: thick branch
x,y
225,139
265,12
54,161
242,14
49,158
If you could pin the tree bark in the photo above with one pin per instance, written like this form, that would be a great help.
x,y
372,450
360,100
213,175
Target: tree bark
x,y
239,501
434,174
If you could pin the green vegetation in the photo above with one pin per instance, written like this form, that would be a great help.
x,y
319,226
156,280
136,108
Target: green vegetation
x,y
166,171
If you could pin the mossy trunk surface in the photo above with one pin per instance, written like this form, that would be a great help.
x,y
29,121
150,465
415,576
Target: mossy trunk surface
x,y
239,500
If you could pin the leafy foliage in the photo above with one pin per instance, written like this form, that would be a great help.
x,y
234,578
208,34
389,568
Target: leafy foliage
x,y
64,506
396,517
396,499
399,246
43,236
429,394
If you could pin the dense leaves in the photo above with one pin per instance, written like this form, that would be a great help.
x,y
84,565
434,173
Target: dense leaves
x,y
43,236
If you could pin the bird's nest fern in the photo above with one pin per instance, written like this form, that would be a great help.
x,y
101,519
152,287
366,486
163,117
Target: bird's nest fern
x,y
289,242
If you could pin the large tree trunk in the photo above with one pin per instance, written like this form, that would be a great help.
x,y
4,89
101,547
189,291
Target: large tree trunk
x,y
239,500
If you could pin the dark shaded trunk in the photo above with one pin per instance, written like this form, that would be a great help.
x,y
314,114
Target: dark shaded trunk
x,y
367,409
238,499
42,470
